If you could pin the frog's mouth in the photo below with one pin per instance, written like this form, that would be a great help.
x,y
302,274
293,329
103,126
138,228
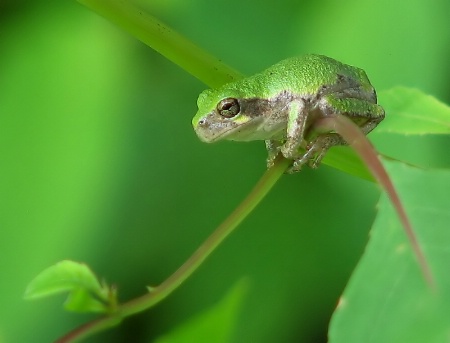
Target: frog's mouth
x,y
213,132
250,131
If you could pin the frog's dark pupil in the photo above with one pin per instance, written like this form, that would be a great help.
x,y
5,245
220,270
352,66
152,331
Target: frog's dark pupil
x,y
228,108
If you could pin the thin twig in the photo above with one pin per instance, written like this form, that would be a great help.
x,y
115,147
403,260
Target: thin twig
x,y
359,142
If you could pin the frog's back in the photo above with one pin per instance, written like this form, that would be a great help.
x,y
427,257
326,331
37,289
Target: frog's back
x,y
305,74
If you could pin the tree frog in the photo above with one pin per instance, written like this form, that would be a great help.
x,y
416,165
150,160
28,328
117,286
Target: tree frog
x,y
280,105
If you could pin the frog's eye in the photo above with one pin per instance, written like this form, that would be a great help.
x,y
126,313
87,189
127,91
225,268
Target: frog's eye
x,y
228,107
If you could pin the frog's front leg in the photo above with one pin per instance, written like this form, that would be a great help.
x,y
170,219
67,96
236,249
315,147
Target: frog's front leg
x,y
296,119
295,129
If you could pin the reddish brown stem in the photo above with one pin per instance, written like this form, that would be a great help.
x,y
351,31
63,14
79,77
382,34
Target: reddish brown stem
x,y
359,142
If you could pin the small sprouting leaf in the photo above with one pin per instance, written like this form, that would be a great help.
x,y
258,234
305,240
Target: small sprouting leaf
x,y
411,112
86,294
81,300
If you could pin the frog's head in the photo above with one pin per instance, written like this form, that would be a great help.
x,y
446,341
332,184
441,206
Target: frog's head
x,y
226,114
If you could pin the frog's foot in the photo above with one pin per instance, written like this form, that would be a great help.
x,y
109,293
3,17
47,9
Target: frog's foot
x,y
316,151
273,149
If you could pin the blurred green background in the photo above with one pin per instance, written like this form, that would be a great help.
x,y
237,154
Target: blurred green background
x,y
99,163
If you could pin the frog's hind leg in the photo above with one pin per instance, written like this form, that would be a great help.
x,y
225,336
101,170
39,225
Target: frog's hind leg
x,y
367,115
316,151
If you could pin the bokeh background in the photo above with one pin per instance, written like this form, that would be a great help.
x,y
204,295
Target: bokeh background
x,y
99,163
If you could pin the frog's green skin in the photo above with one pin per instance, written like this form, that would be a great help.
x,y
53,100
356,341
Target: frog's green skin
x,y
279,105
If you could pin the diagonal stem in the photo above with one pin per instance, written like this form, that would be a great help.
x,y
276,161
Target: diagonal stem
x,y
359,142
160,292
164,40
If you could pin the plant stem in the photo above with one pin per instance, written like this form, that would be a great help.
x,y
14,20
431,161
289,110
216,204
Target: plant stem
x,y
166,41
160,292
258,193
359,142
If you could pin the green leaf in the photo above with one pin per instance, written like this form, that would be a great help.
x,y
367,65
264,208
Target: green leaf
x,y
345,159
86,294
213,325
81,300
387,298
411,112
408,112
